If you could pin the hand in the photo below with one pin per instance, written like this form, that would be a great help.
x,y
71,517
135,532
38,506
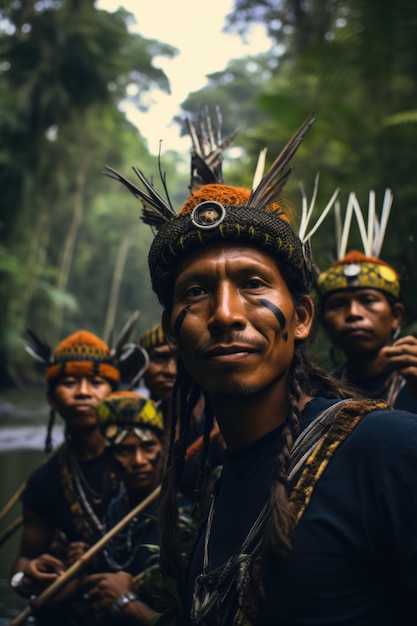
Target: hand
x,y
39,573
75,550
102,590
402,356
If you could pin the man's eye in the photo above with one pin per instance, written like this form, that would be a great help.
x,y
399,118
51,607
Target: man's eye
x,y
334,304
98,381
69,382
254,283
194,292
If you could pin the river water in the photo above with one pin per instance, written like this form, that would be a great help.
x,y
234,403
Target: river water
x,y
23,418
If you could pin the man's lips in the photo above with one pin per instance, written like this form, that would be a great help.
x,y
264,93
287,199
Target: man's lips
x,y
356,331
141,475
229,352
83,408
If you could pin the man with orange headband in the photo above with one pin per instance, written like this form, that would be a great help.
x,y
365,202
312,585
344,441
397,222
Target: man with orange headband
x,y
362,311
68,493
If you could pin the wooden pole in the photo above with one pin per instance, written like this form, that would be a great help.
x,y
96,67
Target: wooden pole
x,y
10,504
83,560
8,532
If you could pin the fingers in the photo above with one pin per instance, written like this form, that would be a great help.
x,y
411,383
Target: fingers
x,y
44,567
75,550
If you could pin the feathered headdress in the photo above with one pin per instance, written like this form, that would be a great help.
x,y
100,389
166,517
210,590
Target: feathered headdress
x,y
218,212
83,353
356,269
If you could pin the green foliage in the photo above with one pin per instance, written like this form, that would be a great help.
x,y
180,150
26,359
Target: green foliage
x,y
64,68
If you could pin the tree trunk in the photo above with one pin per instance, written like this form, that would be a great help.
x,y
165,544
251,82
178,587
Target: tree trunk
x,y
69,245
115,288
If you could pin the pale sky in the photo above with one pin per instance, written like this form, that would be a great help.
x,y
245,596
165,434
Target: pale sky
x,y
195,28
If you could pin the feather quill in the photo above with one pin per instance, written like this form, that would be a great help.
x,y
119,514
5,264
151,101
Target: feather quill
x,y
207,150
275,179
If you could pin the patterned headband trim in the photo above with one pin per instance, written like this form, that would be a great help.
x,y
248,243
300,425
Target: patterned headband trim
x,y
83,354
153,338
124,411
359,271
240,224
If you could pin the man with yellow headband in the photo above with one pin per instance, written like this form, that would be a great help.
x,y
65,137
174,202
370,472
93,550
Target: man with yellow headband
x,y
161,372
133,428
362,311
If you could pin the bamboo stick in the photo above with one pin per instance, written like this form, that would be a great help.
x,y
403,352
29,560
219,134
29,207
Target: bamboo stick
x,y
10,504
8,532
83,560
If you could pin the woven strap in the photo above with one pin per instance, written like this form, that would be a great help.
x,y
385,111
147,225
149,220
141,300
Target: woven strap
x,y
343,423
314,447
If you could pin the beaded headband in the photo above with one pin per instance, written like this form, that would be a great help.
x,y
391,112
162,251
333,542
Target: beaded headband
x,y
153,338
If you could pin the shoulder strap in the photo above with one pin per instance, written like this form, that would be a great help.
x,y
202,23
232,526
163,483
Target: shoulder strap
x,y
307,440
343,423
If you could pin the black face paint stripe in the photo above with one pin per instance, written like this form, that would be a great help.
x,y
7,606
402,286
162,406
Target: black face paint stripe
x,y
275,310
179,321
154,460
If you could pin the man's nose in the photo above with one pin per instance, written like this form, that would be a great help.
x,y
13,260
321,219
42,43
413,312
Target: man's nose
x,y
84,387
140,458
228,310
171,366
354,310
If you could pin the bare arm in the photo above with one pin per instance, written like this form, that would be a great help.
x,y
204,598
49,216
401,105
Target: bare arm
x,y
40,569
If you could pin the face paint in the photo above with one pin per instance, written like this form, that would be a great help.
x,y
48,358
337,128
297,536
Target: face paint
x,y
154,460
179,321
278,314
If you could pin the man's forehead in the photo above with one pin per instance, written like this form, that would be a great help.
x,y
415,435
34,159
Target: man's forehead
x,y
217,252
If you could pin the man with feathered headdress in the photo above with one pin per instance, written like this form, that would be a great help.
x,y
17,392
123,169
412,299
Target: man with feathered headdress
x,y
313,519
362,311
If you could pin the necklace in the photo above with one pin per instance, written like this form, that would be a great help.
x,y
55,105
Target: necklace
x,y
121,551
221,589
85,520
95,497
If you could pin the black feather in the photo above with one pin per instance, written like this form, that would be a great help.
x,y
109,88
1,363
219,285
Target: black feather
x,y
274,180
155,210
38,348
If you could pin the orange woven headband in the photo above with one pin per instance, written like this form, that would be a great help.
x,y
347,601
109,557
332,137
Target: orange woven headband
x,y
83,354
